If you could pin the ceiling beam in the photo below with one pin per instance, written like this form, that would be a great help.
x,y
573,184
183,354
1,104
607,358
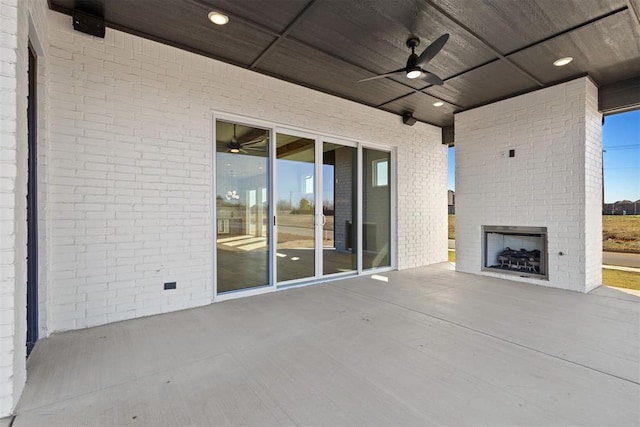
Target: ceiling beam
x,y
486,43
634,8
245,21
632,5
445,80
620,96
293,147
144,35
285,33
568,30
501,56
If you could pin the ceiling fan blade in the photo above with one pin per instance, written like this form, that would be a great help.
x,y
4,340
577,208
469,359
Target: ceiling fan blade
x,y
258,140
432,50
392,73
251,135
431,78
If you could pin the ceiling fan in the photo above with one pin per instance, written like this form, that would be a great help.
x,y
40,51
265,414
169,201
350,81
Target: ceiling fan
x,y
415,63
235,146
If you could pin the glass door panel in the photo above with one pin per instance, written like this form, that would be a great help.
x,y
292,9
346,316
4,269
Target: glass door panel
x,y
376,204
339,202
295,207
242,207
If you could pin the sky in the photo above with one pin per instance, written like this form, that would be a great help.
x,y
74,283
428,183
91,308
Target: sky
x,y
621,145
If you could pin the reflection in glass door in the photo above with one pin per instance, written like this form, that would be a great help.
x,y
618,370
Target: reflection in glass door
x,y
242,207
376,206
306,192
295,207
339,203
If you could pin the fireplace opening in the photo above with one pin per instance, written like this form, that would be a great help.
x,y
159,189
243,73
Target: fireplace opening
x,y
515,250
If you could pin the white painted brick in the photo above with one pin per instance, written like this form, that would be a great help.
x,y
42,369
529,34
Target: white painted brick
x,y
553,181
127,184
14,36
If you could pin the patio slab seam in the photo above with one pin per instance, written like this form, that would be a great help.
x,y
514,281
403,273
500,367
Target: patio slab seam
x,y
492,336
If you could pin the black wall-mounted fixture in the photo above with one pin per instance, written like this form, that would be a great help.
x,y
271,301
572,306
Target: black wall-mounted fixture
x,y
448,135
407,118
88,24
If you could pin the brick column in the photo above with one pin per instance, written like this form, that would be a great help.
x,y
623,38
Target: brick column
x,y
554,179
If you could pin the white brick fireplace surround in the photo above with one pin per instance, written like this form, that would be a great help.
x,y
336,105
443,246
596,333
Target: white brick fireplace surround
x,y
553,180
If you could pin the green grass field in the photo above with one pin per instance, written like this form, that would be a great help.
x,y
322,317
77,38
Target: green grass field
x,y
621,279
621,233
452,226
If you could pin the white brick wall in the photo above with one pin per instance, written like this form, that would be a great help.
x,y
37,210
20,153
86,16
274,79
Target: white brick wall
x,y
422,201
593,189
124,173
8,212
19,22
129,193
553,181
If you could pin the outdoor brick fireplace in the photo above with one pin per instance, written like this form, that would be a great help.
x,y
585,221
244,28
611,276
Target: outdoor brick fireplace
x,y
533,166
515,250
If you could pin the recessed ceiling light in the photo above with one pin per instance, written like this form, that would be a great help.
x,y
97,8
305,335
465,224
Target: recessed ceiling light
x,y
438,104
218,18
562,61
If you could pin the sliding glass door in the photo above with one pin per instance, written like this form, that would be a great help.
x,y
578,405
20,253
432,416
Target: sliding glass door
x,y
376,207
296,208
339,208
242,207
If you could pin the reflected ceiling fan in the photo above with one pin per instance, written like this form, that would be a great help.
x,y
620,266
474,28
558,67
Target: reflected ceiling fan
x,y
236,146
415,64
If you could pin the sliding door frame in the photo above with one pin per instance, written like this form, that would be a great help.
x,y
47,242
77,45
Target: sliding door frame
x,y
319,137
270,285
314,137
393,226
320,152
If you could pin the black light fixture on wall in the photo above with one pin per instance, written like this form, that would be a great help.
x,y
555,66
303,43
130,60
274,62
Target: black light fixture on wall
x,y
407,118
88,24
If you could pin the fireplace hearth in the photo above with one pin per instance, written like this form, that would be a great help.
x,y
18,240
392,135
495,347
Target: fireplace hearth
x,y
515,250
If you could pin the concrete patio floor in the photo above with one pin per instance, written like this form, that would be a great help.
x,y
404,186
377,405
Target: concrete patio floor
x,y
428,347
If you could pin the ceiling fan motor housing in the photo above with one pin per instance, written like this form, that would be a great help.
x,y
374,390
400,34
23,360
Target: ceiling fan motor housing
x,y
412,70
413,42
411,63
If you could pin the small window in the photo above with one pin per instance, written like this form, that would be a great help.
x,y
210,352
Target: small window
x,y
380,172
308,184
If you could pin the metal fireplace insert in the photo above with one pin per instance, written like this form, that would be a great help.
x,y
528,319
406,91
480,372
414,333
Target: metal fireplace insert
x,y
515,250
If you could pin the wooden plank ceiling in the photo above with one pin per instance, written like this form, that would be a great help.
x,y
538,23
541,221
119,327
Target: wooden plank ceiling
x,y
497,48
